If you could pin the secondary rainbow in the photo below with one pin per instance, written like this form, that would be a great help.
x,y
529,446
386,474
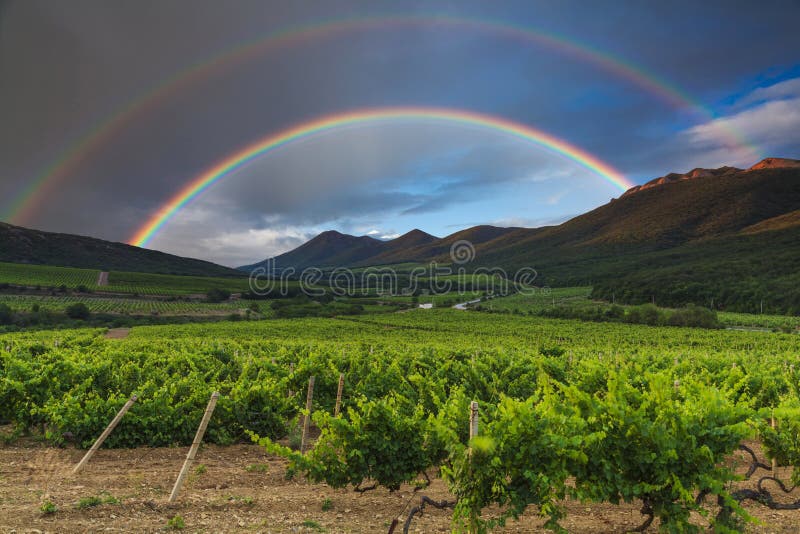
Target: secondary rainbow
x,y
237,160
22,207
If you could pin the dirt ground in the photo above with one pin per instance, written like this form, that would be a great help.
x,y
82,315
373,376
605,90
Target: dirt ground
x,y
117,333
241,489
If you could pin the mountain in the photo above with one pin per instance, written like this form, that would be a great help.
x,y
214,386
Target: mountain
x,y
675,209
333,249
24,245
328,249
729,234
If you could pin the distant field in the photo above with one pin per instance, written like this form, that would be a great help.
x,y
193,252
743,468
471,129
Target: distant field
x,y
577,298
541,299
123,306
46,276
166,284
118,282
758,321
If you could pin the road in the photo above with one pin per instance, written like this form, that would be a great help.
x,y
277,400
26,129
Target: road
x,y
463,305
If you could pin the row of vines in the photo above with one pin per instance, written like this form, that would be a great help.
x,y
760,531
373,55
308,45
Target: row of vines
x,y
600,413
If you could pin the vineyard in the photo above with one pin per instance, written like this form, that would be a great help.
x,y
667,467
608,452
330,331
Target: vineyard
x,y
121,306
45,276
576,300
588,412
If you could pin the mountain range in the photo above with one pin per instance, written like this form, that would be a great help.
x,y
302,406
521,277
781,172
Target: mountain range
x,y
675,209
729,235
25,245
679,238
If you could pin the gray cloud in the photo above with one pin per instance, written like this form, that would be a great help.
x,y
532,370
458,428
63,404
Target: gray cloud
x,y
65,68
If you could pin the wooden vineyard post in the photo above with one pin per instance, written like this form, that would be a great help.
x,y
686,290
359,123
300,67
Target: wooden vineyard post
x,y
473,419
339,396
114,422
773,425
291,372
198,438
307,418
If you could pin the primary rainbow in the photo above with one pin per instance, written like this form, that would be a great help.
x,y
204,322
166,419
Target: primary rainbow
x,y
242,157
22,207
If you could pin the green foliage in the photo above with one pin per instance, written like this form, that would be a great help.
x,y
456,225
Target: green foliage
x,y
621,411
659,443
783,442
524,455
217,295
89,502
327,504
385,440
6,314
78,310
48,508
257,468
176,523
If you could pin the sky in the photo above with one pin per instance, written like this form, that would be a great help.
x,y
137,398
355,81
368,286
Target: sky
x,y
116,106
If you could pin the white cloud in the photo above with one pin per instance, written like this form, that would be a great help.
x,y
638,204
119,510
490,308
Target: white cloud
x,y
233,242
555,198
772,124
781,90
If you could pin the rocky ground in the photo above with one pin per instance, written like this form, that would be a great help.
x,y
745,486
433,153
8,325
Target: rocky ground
x,y
241,489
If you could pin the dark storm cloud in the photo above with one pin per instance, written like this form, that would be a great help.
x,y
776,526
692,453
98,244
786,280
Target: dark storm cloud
x,y
67,66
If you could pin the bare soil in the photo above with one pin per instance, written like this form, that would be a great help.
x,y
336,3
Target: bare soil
x,y
225,493
117,333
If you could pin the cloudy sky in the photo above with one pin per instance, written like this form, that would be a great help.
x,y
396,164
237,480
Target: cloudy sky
x,y
109,108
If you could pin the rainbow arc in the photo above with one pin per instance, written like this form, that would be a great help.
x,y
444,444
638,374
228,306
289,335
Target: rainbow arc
x,y
239,159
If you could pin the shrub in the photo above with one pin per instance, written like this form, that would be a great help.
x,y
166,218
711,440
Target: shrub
x,y
48,508
6,314
79,310
694,316
176,523
217,295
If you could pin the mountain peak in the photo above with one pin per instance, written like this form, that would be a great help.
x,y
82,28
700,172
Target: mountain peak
x,y
673,177
775,163
416,233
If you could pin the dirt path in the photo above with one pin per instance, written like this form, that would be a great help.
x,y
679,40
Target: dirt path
x,y
241,489
465,305
117,333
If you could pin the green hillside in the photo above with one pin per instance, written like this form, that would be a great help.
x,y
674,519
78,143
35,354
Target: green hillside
x,y
27,246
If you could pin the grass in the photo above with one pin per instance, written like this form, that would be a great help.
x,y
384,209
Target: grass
x,y
93,500
257,468
176,523
313,525
327,504
89,502
48,508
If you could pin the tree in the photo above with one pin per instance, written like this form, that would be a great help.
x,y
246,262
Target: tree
x,y
6,314
79,310
217,295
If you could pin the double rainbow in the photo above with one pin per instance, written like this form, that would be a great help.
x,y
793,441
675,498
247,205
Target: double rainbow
x,y
24,205
241,158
